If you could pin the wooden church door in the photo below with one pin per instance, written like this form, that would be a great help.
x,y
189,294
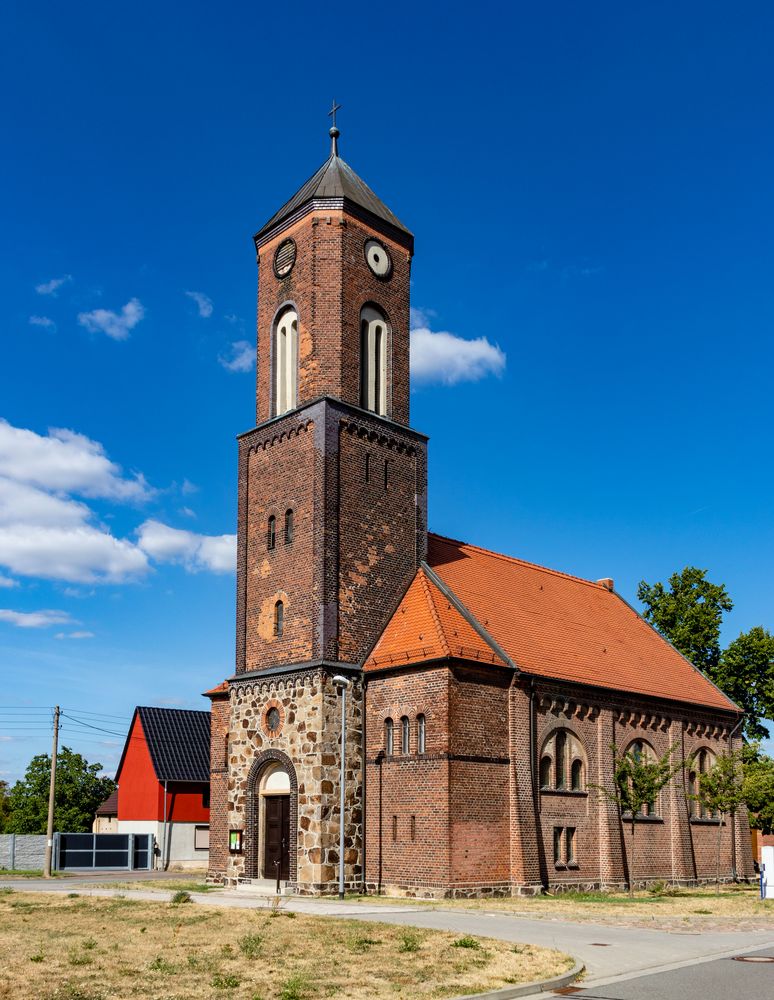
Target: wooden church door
x,y
277,836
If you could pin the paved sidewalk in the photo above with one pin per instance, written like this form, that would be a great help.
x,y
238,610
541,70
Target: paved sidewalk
x,y
608,953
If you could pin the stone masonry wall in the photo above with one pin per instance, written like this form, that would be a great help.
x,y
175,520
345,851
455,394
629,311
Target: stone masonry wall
x,y
22,851
309,738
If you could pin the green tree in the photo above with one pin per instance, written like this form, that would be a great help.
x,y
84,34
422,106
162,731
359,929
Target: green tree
x,y
638,778
746,674
758,788
79,790
720,792
4,805
688,613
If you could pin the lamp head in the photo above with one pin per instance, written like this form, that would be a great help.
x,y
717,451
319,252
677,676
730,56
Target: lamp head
x,y
341,683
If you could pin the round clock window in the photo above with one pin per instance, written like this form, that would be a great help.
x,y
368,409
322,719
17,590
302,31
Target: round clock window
x,y
378,258
285,258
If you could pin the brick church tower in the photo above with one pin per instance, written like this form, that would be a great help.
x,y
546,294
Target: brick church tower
x,y
331,530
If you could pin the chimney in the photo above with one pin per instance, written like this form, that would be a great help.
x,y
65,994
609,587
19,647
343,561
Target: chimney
x,y
607,583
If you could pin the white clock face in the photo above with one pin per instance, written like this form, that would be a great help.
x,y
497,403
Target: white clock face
x,y
378,258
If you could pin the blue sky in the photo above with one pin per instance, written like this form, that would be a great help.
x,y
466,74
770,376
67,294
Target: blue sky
x,y
590,189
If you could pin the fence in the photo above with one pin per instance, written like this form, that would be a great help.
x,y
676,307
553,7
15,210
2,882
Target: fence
x,y
78,851
22,851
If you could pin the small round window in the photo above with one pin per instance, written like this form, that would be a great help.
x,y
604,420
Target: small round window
x,y
285,258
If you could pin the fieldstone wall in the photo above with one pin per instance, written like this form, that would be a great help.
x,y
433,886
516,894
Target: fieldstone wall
x,y
22,851
308,739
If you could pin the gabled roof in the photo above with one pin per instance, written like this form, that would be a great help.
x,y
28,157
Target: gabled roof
x,y
110,806
178,741
427,626
334,185
554,625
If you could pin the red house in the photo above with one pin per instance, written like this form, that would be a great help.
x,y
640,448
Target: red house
x,y
164,783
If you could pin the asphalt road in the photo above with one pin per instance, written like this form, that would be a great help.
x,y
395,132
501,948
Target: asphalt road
x,y
706,981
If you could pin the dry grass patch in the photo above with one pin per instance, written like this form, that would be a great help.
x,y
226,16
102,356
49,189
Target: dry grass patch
x,y
59,948
167,884
737,907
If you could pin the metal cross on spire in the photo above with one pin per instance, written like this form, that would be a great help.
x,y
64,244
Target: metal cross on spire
x,y
334,132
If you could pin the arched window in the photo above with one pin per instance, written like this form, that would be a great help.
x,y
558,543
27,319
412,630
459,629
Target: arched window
x,y
271,532
561,755
404,734
705,761
420,734
374,335
288,526
562,763
285,362
279,616
388,737
643,752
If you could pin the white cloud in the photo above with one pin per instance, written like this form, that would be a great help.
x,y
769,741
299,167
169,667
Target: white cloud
x,y
52,287
83,554
188,487
65,461
34,619
242,357
74,635
445,357
187,512
6,583
196,552
115,325
44,321
203,303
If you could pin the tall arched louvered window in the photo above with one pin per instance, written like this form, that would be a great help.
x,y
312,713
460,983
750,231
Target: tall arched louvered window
x,y
421,733
285,362
374,338
271,532
404,734
388,737
288,526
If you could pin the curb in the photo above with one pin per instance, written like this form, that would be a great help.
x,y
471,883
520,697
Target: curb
x,y
527,989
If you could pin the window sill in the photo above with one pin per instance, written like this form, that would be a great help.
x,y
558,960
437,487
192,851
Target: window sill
x,y
573,865
559,866
706,821
576,794
627,818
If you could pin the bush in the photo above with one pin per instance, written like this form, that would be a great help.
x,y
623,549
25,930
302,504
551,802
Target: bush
x,y
466,942
181,896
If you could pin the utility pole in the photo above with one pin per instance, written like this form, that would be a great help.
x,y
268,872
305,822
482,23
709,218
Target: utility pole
x,y
51,791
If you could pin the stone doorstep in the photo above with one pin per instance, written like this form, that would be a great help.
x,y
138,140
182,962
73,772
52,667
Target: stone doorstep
x,y
261,887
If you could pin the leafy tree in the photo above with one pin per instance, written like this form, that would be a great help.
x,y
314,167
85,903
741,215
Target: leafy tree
x,y
79,790
4,805
688,613
720,792
746,674
758,788
637,781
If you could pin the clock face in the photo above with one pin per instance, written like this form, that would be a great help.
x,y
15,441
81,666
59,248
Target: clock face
x,y
285,258
378,258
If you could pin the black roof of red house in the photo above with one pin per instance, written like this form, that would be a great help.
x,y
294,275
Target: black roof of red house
x,y
110,806
178,741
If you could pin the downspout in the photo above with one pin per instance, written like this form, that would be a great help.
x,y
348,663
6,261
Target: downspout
x,y
164,858
734,873
363,776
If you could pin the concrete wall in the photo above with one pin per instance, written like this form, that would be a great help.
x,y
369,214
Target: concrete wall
x,y
22,851
180,840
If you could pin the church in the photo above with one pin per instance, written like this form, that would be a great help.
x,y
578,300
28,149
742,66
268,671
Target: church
x,y
481,696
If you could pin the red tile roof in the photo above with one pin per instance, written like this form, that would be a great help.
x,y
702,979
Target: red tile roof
x,y
427,626
549,624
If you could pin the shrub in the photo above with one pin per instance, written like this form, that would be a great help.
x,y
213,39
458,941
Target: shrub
x,y
250,945
181,896
466,942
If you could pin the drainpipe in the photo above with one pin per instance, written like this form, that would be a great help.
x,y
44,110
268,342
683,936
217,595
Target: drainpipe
x,y
164,858
363,776
734,873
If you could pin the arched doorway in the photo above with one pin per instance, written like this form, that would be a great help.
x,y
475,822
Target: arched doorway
x,y
271,817
274,821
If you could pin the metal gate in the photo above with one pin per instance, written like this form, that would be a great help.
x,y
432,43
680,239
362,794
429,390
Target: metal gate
x,y
94,851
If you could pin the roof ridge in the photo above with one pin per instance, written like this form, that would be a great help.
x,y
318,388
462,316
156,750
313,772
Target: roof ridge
x,y
520,562
433,610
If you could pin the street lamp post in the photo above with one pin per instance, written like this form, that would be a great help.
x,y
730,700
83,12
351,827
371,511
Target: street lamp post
x,y
342,685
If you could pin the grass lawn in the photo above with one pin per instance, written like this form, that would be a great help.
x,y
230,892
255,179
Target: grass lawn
x,y
7,873
737,907
168,884
67,947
